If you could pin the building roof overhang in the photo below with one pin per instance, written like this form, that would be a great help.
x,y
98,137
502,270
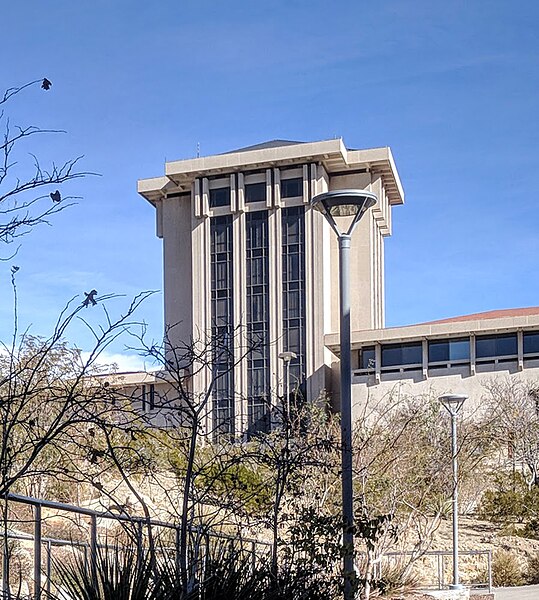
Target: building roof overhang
x,y
333,154
476,324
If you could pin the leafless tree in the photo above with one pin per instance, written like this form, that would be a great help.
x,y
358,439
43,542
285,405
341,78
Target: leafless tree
x,y
48,393
28,193
511,414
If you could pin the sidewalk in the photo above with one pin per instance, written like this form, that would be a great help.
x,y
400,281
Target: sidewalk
x,y
525,592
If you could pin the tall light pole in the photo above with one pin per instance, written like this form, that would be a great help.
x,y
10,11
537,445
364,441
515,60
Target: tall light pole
x,y
453,403
286,357
351,205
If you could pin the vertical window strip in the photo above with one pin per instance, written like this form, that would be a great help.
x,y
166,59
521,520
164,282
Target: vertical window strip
x,y
221,261
293,276
257,295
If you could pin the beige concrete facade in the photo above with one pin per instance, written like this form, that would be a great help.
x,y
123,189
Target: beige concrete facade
x,y
184,215
472,375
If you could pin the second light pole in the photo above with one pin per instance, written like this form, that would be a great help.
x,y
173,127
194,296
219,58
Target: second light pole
x,y
351,205
453,403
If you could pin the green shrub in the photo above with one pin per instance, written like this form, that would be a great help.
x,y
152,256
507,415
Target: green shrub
x,y
506,571
510,500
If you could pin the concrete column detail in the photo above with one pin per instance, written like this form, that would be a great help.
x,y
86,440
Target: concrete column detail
x,y
241,193
377,362
275,304
240,339
197,198
310,292
269,189
233,201
425,355
472,354
306,185
159,218
205,197
277,187
520,350
313,179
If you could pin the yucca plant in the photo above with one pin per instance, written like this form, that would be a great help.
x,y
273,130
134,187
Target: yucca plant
x,y
119,575
224,573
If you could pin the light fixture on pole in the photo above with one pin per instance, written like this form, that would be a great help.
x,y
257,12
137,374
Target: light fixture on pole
x,y
352,204
286,357
453,404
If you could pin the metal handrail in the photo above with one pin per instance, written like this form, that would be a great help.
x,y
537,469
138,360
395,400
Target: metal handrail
x,y
93,545
440,554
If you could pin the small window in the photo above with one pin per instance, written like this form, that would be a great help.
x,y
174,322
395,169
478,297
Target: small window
x,y
531,342
219,197
143,398
367,358
292,188
395,355
449,350
255,192
491,346
152,396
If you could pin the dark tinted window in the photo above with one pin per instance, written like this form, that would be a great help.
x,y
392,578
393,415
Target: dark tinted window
x,y
255,192
394,355
291,188
531,343
367,358
219,197
448,350
496,345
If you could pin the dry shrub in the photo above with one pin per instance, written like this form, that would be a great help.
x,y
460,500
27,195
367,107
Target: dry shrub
x,y
532,571
396,579
506,569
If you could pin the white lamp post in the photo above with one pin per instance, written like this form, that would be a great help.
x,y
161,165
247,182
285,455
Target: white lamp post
x,y
352,204
453,404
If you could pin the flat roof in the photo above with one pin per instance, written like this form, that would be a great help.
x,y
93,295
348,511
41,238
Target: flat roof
x,y
333,154
496,321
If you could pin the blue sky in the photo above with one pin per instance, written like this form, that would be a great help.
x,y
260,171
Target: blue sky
x,y
452,87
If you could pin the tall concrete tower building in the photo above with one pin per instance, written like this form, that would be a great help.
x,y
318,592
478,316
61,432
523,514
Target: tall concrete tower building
x,y
248,259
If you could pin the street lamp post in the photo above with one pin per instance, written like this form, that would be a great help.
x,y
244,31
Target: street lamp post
x,y
453,404
286,357
352,204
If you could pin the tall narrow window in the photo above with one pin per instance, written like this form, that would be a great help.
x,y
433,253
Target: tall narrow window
x,y
222,324
258,368
293,263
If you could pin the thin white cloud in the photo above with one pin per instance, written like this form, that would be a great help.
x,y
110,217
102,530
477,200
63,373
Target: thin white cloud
x,y
119,362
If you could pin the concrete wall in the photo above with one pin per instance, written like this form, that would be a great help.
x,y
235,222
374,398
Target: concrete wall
x,y
455,380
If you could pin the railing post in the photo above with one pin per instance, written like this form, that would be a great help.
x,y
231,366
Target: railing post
x,y
93,548
178,541
5,555
440,571
5,567
489,562
49,560
140,534
442,583
37,552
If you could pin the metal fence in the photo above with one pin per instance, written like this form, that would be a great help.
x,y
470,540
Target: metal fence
x,y
441,564
139,526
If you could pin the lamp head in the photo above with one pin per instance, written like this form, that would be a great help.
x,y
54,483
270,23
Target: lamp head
x,y
453,402
344,203
287,356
